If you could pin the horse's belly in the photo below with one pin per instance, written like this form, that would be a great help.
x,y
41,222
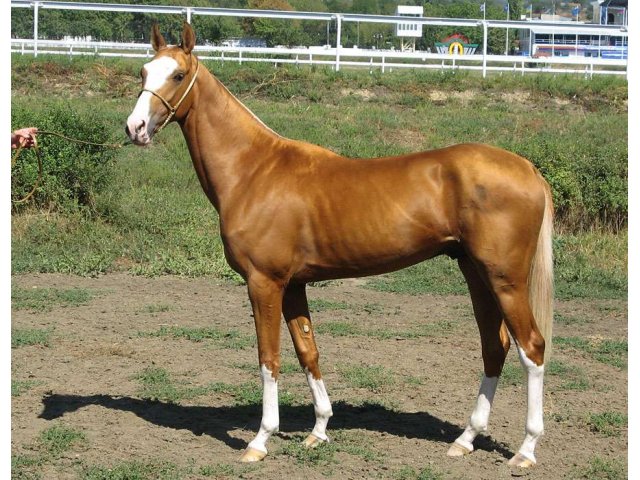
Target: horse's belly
x,y
344,259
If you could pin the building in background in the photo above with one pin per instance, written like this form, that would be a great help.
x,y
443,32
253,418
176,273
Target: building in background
x,y
547,41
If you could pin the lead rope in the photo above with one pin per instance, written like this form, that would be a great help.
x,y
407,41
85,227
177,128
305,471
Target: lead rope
x,y
15,156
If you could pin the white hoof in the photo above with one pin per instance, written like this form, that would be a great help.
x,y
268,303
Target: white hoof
x,y
457,450
312,441
251,455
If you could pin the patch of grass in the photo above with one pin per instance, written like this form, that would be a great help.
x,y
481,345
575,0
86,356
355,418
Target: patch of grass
x,y
59,439
512,374
344,329
610,352
370,377
45,299
323,454
573,377
354,444
219,470
225,339
18,387
321,305
426,473
609,424
21,337
411,380
601,469
560,319
156,308
157,384
250,393
591,265
440,275
337,329
22,467
135,470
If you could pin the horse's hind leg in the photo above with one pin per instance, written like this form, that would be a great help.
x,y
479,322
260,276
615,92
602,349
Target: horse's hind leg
x,y
507,276
296,314
495,345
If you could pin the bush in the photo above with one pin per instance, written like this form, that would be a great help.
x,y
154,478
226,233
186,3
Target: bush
x,y
72,173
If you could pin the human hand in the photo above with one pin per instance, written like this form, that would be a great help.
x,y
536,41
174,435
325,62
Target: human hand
x,y
24,137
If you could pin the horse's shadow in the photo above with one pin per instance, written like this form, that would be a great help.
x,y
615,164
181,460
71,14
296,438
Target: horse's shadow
x,y
218,421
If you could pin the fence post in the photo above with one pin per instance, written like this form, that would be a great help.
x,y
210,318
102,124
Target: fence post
x,y
189,15
338,40
484,49
36,6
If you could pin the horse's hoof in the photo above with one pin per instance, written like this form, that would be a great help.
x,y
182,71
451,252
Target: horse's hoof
x,y
312,441
457,450
252,455
521,461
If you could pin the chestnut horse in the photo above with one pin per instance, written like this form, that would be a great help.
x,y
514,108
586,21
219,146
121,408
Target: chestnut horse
x,y
292,213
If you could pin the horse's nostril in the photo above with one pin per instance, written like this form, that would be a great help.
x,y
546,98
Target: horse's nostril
x,y
140,126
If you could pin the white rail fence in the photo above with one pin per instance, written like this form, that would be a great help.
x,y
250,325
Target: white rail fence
x,y
335,56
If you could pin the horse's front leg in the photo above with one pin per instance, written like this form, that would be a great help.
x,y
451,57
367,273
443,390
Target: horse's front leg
x,y
266,301
296,313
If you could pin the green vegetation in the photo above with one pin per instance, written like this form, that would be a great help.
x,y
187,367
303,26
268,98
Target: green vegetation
x,y
512,374
45,299
18,387
158,384
52,444
73,174
320,305
572,377
59,438
324,454
371,377
607,423
345,329
225,339
602,469
409,473
135,470
610,352
21,337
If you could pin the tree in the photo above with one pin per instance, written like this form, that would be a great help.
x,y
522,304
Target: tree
x,y
274,31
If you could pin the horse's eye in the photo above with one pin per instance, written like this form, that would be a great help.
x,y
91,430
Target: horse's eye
x,y
178,77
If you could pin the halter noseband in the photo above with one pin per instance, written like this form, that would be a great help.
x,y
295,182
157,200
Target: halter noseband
x,y
173,110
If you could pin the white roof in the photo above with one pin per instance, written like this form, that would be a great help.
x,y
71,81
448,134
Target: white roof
x,y
409,10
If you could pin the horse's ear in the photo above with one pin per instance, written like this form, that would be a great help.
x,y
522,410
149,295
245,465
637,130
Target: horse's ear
x,y
188,38
157,40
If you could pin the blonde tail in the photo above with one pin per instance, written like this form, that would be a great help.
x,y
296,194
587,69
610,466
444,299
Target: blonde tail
x,y
541,276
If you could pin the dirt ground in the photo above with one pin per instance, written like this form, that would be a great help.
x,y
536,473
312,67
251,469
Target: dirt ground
x,y
86,379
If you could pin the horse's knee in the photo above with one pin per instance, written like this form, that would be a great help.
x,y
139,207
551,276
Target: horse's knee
x,y
308,358
533,349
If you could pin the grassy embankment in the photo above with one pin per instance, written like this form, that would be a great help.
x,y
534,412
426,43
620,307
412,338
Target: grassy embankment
x,y
143,211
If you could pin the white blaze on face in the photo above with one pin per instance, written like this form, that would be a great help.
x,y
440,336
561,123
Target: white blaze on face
x,y
142,121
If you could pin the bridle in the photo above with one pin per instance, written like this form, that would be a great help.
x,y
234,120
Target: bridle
x,y
173,110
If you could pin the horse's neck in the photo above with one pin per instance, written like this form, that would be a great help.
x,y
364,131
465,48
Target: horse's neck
x,y
226,141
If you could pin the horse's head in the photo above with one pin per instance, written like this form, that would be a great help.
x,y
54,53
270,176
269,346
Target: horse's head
x,y
166,83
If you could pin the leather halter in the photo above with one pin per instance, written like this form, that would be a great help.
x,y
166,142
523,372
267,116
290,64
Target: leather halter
x,y
173,110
